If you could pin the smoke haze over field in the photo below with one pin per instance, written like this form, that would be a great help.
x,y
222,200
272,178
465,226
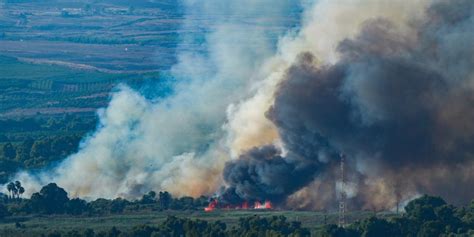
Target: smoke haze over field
x,y
388,83
174,143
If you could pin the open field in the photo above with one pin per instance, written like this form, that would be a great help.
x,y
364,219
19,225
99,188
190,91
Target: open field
x,y
118,36
38,224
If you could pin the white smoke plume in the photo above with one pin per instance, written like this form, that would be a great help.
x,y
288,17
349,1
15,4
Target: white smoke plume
x,y
175,143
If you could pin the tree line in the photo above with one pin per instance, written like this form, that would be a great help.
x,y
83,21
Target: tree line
x,y
35,143
426,216
54,200
423,217
35,153
254,226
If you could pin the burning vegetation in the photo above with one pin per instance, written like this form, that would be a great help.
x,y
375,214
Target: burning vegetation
x,y
257,205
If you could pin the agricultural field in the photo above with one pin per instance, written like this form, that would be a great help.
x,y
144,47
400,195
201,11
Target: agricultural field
x,y
111,35
29,89
64,56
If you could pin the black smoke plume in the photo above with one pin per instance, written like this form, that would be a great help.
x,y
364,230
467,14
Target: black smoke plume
x,y
400,105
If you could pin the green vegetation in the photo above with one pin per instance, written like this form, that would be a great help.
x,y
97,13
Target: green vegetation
x,y
51,212
425,216
53,200
33,143
275,226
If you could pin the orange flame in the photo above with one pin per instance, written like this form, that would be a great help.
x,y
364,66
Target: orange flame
x,y
266,205
212,205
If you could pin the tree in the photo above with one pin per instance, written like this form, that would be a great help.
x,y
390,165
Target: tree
x,y
88,233
431,228
374,227
23,151
9,151
114,232
423,208
19,189
50,200
11,189
118,205
3,211
41,149
76,206
468,215
165,199
149,198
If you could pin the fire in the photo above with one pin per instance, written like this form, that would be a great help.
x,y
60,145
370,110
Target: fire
x,y
212,205
266,205
244,206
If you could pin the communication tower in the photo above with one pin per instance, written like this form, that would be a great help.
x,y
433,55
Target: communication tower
x,y
343,196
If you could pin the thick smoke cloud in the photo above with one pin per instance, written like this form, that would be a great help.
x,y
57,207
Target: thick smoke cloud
x,y
398,101
262,173
324,25
174,143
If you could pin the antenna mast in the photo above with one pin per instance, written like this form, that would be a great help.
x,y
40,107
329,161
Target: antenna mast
x,y
342,200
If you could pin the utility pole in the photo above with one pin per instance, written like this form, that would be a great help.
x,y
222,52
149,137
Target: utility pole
x,y
325,217
398,204
342,200
398,197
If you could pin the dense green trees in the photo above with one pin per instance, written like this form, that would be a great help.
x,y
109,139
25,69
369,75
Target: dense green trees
x,y
15,189
50,200
176,227
9,151
76,206
274,226
149,198
53,199
165,199
3,211
36,143
424,217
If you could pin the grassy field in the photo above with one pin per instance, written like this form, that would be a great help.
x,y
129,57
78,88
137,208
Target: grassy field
x,y
38,224
13,69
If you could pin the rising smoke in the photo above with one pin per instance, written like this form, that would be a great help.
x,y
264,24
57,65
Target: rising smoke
x,y
388,83
399,102
174,143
